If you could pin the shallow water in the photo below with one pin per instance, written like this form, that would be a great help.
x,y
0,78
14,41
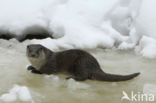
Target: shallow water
x,y
55,89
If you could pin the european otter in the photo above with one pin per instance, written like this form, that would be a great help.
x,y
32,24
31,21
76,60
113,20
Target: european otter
x,y
79,64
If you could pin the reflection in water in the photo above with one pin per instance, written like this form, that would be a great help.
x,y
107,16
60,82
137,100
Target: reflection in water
x,y
54,88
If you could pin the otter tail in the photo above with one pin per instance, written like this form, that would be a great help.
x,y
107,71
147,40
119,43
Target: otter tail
x,y
113,77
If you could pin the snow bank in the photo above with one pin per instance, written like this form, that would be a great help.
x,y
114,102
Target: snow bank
x,y
17,15
145,28
147,47
83,23
137,20
123,22
79,24
17,92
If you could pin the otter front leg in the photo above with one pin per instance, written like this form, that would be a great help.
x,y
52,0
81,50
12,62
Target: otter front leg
x,y
36,71
33,70
46,69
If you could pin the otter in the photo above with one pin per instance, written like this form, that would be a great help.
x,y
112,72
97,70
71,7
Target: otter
x,y
78,64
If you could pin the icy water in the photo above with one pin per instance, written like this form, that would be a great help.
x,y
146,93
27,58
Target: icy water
x,y
55,89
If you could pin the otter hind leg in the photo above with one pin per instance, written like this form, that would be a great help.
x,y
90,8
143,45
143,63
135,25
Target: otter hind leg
x,y
78,71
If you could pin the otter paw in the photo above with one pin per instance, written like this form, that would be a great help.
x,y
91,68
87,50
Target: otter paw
x,y
30,68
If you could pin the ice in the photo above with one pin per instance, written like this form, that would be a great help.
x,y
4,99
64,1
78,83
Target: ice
x,y
71,83
24,94
74,85
45,90
53,77
20,92
8,97
149,89
55,80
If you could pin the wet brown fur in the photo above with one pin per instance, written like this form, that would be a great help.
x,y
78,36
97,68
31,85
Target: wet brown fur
x,y
79,64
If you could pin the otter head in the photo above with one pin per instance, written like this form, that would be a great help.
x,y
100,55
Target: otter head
x,y
35,50
37,55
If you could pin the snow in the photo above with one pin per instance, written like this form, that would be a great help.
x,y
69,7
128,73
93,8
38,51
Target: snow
x,y
17,15
147,47
20,92
123,24
9,97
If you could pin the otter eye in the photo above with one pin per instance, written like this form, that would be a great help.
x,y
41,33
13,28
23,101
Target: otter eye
x,y
41,48
28,47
